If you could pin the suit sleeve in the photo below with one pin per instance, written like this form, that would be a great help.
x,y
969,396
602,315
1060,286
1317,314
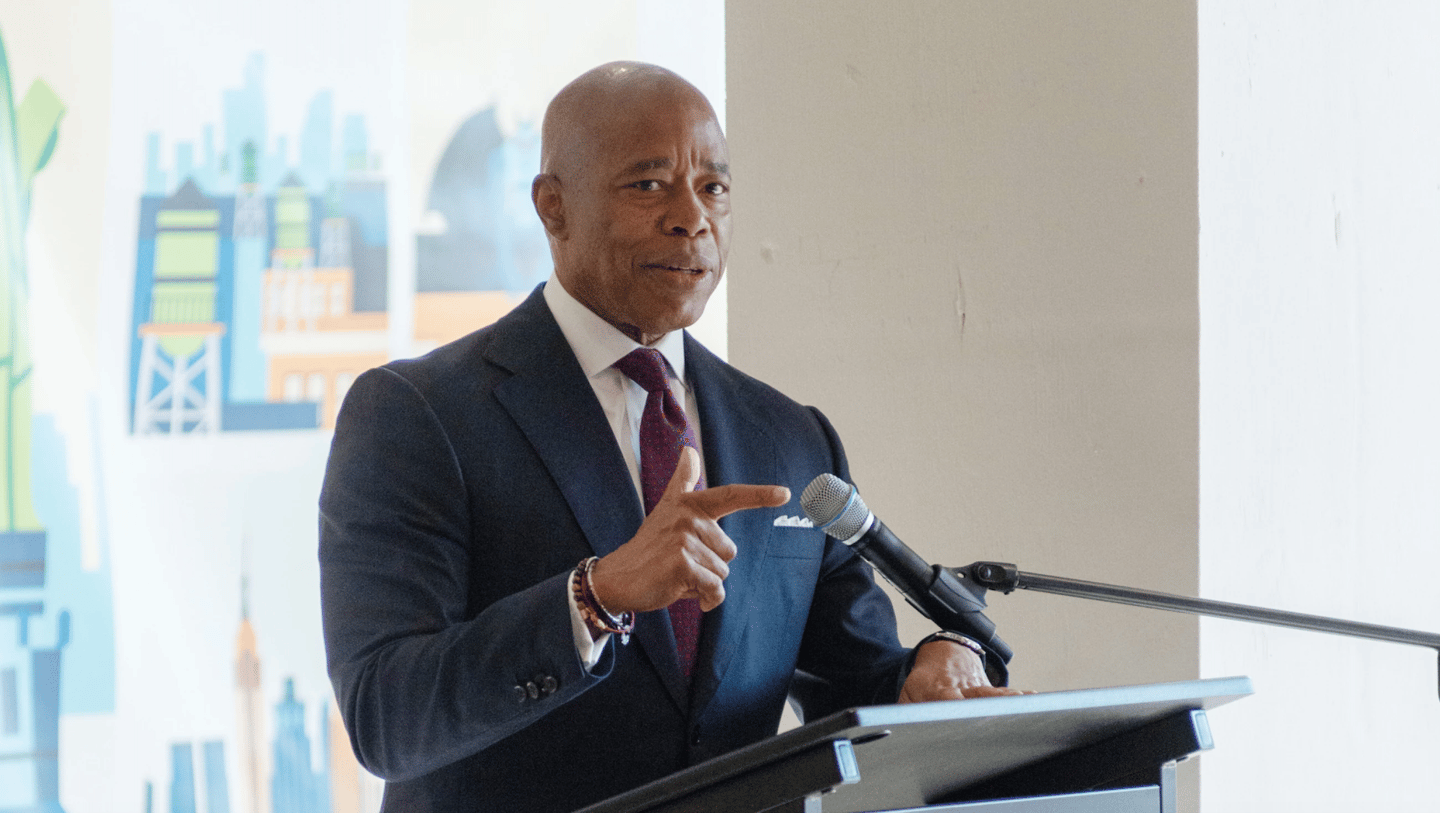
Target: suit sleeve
x,y
849,605
422,680
850,655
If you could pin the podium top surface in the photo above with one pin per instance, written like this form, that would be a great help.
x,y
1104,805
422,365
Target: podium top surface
x,y
908,754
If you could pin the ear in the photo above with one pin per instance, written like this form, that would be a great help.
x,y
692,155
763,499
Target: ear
x,y
545,193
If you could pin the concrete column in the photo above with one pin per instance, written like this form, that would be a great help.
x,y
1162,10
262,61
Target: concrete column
x,y
968,233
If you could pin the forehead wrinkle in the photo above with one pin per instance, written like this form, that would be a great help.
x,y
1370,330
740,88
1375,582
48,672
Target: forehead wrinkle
x,y
651,164
648,165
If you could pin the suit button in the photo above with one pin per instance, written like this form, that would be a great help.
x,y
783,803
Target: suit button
x,y
518,692
532,690
548,685
695,737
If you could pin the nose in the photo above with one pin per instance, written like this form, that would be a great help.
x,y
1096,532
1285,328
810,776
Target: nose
x,y
685,215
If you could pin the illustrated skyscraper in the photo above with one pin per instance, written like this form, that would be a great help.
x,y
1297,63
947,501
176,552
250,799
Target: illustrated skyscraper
x,y
217,788
252,236
296,787
182,779
185,792
250,749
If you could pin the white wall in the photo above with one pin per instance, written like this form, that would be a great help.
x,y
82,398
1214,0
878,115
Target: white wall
x,y
1320,446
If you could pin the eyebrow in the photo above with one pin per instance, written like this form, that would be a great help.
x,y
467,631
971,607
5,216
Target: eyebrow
x,y
651,164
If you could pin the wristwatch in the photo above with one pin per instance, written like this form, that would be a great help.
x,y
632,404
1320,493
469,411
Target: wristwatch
x,y
955,637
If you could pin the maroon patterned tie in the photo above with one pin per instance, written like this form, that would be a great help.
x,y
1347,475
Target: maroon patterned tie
x,y
664,432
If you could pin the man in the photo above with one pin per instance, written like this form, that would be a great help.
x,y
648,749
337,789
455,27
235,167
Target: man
x,y
476,664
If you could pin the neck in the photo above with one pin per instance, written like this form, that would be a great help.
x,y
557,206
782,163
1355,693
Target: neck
x,y
646,339
633,332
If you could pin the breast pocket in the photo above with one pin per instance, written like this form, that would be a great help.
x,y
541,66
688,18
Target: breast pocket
x,y
795,543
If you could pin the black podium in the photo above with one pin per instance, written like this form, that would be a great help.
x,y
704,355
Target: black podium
x,y
1092,751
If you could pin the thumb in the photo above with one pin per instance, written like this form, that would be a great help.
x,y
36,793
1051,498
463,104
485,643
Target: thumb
x,y
687,473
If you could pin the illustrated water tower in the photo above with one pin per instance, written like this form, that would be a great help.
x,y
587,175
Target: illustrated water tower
x,y
179,386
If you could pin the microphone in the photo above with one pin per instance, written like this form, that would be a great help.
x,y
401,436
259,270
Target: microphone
x,y
938,593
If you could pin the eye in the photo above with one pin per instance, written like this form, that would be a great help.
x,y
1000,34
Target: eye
x,y
646,186
715,188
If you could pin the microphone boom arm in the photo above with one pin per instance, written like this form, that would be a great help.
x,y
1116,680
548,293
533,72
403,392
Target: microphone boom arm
x,y
937,592
1006,578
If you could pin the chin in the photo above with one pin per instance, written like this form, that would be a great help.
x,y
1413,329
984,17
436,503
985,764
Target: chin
x,y
660,327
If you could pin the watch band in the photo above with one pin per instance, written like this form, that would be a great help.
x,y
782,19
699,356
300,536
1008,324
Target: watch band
x,y
955,637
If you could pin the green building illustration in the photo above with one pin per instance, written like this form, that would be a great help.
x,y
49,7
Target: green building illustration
x,y
28,133
29,670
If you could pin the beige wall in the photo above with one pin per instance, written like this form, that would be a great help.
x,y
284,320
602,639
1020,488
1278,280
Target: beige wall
x,y
968,232
972,229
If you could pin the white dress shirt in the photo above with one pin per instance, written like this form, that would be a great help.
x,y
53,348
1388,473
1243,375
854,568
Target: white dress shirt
x,y
597,346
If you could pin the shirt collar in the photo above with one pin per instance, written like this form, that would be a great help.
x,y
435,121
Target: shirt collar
x,y
597,343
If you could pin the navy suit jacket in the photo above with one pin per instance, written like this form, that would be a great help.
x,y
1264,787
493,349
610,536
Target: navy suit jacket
x,y
463,488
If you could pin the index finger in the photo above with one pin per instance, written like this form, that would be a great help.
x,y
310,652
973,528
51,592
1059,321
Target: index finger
x,y
727,499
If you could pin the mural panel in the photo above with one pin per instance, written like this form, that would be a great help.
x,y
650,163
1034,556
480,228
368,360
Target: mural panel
x,y
212,218
260,279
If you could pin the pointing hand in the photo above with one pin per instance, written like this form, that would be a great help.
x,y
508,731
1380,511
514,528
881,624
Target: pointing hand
x,y
680,550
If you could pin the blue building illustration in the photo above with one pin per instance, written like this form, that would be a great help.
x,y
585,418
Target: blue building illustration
x,y
491,240
481,248
185,792
182,779
260,281
217,788
296,786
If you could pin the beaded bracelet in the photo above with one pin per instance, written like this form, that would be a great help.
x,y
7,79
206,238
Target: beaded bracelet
x,y
592,611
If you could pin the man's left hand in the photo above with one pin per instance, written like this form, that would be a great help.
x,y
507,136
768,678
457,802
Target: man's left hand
x,y
945,670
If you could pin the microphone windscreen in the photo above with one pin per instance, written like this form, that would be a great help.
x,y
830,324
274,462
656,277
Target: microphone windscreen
x,y
835,506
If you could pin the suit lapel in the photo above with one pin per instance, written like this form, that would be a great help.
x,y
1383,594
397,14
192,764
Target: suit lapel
x,y
738,449
555,407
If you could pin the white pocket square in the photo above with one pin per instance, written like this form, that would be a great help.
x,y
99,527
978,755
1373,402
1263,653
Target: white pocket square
x,y
786,521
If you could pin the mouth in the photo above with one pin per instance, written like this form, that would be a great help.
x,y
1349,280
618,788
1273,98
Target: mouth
x,y
678,268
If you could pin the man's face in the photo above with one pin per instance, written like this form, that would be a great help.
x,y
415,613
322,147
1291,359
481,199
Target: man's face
x,y
647,215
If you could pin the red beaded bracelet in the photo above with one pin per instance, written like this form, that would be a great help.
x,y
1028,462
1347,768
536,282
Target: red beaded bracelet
x,y
592,611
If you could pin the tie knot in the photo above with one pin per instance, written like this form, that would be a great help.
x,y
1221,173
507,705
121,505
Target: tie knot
x,y
646,367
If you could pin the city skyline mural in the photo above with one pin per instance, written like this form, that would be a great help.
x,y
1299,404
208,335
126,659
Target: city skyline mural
x,y
213,218
259,293
260,278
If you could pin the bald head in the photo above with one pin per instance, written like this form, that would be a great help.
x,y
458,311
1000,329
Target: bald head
x,y
581,115
634,192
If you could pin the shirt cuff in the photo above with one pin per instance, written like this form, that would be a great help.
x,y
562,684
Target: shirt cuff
x,y
589,649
